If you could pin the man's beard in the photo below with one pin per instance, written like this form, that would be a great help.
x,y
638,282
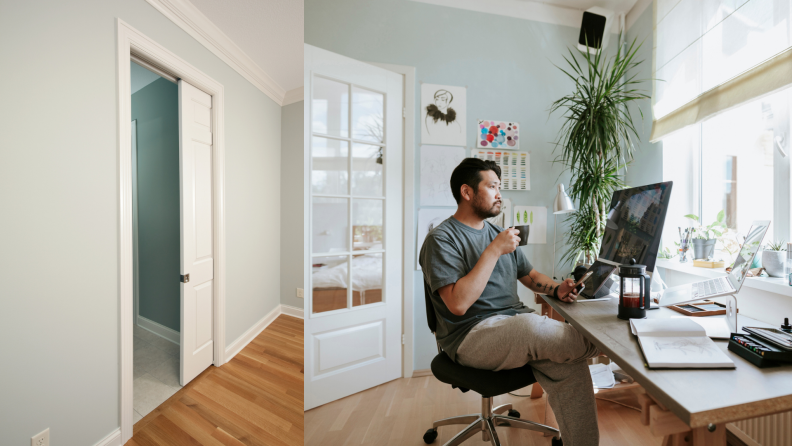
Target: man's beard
x,y
484,213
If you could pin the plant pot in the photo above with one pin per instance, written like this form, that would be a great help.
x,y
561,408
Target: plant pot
x,y
703,249
773,262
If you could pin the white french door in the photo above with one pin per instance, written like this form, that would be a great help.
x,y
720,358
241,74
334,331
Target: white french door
x,y
197,259
354,150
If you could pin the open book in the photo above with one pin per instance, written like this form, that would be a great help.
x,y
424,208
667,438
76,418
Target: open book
x,y
678,343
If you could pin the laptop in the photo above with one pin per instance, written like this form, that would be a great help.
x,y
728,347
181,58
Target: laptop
x,y
721,286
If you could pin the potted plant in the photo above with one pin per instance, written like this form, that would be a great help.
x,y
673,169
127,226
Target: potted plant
x,y
596,140
774,258
705,237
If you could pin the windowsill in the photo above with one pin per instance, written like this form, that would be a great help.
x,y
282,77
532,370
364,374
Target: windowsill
x,y
772,284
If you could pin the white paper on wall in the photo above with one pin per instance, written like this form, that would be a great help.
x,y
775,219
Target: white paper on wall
x,y
437,163
428,219
536,217
443,115
515,167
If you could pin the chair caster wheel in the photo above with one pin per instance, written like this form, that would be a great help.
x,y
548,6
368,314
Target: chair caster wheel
x,y
430,436
557,442
514,414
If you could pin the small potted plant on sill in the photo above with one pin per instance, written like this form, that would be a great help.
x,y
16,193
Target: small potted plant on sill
x,y
705,237
774,258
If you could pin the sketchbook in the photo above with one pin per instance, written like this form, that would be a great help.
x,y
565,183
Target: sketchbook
x,y
677,343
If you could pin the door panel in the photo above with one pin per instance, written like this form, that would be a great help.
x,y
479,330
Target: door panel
x,y
195,171
354,228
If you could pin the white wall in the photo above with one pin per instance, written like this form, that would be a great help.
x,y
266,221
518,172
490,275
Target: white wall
x,y
291,210
59,210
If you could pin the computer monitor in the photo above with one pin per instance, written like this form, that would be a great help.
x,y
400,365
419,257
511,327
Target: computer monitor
x,y
635,223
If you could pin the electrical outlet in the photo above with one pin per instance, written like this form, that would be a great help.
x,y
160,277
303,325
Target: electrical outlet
x,y
41,439
300,293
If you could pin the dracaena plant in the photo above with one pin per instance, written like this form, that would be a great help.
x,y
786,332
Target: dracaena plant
x,y
596,140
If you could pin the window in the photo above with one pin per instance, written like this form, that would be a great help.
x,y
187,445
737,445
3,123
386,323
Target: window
x,y
737,161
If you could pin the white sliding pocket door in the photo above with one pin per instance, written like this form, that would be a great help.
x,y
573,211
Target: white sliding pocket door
x,y
197,258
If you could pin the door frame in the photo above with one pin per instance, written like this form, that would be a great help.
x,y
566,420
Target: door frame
x,y
408,216
130,43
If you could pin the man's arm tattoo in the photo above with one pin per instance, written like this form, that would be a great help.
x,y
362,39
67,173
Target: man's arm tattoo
x,y
543,286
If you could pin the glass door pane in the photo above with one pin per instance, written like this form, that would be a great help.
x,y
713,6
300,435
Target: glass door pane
x,y
329,166
329,281
367,279
330,107
367,169
330,232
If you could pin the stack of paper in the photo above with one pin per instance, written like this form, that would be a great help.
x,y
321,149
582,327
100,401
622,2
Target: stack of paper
x,y
602,376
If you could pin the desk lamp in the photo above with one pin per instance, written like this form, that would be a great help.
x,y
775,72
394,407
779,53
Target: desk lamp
x,y
561,205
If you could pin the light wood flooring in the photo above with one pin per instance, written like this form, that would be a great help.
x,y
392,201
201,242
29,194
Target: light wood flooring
x,y
399,412
255,399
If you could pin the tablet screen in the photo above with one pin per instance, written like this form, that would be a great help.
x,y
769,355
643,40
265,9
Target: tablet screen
x,y
601,273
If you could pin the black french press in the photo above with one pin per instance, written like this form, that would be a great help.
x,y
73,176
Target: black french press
x,y
634,286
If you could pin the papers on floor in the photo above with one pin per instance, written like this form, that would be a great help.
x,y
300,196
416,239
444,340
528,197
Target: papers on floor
x,y
602,376
677,343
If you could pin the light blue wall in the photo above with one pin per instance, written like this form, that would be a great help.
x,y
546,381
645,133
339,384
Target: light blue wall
x,y
507,65
156,108
648,165
59,196
291,211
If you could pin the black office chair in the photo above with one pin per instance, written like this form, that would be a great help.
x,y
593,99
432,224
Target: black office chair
x,y
488,384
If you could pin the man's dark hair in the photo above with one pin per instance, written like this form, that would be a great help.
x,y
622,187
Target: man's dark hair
x,y
469,172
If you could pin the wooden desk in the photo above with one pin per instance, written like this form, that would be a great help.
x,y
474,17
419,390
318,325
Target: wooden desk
x,y
695,397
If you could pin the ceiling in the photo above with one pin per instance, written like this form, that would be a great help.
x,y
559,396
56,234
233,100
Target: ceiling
x,y
559,12
270,32
619,6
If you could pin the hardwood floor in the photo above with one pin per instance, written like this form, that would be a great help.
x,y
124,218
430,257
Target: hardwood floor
x,y
255,399
399,412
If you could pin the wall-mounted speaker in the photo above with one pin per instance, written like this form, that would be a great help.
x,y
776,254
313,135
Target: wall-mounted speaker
x,y
595,29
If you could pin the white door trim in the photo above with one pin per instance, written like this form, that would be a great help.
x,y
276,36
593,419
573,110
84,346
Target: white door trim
x,y
132,42
408,302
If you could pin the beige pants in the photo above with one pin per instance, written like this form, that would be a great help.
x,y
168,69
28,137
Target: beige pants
x,y
556,352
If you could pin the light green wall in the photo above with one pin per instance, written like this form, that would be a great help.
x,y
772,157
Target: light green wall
x,y
156,108
291,211
59,195
507,65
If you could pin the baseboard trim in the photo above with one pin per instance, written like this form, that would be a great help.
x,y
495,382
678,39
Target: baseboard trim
x,y
288,310
242,341
422,372
113,439
159,330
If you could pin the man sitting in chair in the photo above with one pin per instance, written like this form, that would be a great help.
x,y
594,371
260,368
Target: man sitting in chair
x,y
471,268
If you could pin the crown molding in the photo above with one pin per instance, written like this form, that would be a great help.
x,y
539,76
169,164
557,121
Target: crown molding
x,y
293,96
187,17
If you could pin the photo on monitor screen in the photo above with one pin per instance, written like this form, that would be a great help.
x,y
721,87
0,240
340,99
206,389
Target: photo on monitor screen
x,y
634,224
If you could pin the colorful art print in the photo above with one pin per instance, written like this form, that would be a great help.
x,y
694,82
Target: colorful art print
x,y
498,135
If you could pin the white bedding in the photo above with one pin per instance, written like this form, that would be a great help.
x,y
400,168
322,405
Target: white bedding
x,y
366,270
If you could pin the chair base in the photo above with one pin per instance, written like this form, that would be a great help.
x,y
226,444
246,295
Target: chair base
x,y
485,424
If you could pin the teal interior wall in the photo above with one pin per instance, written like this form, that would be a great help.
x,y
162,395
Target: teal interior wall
x,y
156,109
507,65
59,224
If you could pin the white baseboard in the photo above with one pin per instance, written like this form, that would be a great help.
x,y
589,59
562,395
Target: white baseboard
x,y
422,372
113,439
242,341
159,329
292,311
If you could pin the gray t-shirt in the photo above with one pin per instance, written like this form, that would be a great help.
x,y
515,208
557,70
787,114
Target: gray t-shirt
x,y
448,254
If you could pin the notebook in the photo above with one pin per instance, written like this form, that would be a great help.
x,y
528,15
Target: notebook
x,y
677,343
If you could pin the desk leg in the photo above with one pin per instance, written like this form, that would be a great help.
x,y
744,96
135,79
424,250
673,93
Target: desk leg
x,y
675,432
